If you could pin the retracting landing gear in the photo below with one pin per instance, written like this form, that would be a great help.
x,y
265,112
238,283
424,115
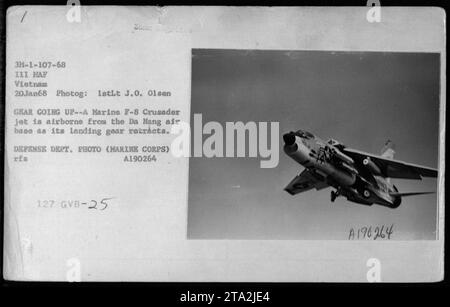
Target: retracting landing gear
x,y
334,195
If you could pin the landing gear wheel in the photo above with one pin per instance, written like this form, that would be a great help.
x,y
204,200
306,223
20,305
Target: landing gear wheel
x,y
333,196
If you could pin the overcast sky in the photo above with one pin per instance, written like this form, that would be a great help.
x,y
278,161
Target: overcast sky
x,y
359,98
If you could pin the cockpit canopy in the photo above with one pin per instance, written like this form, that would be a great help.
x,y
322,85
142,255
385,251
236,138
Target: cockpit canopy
x,y
304,134
333,142
336,144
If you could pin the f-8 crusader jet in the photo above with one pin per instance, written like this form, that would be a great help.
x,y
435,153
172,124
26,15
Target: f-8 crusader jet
x,y
361,177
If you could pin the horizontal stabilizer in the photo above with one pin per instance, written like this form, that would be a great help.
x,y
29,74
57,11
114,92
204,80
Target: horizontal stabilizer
x,y
409,194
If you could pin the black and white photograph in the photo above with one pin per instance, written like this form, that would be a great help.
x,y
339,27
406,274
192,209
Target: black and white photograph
x,y
224,145
357,142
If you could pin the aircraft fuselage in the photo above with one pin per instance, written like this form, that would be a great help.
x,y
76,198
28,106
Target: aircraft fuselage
x,y
358,181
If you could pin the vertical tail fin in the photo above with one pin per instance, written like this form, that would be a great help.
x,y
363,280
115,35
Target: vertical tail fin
x,y
388,150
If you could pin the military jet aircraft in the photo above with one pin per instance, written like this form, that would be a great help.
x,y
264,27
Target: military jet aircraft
x,y
361,177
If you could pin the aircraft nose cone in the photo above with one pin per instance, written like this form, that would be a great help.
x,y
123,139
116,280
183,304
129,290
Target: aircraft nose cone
x,y
289,138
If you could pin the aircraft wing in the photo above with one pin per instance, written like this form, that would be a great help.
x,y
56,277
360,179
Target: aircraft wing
x,y
305,181
394,168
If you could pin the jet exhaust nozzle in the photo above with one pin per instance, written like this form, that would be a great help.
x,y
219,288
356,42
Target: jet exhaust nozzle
x,y
289,139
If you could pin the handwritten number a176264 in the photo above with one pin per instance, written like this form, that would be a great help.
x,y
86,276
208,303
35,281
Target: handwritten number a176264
x,y
371,232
